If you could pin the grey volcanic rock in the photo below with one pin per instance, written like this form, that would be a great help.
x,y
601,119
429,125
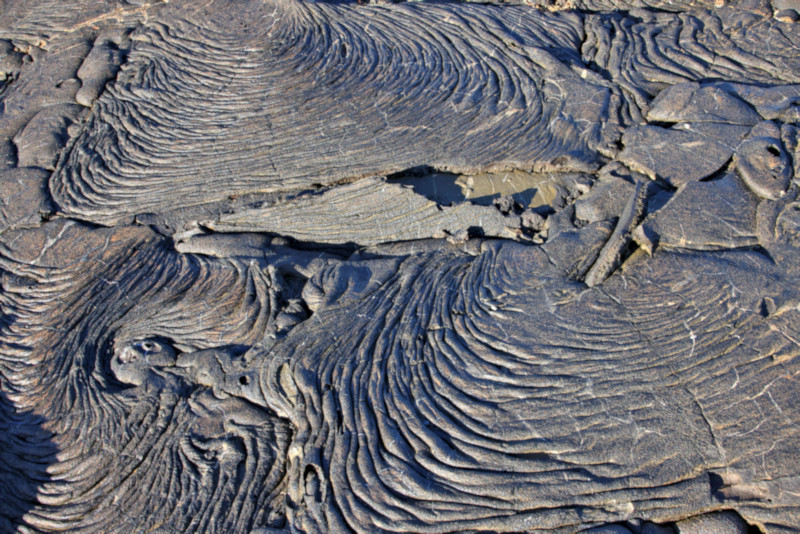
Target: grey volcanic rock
x,y
508,406
676,156
96,360
25,201
260,98
686,102
722,522
682,223
367,212
315,266
39,143
763,163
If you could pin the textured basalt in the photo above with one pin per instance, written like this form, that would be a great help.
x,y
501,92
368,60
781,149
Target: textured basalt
x,y
305,266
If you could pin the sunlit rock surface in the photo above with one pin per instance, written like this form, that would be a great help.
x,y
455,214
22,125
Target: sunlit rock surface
x,y
300,266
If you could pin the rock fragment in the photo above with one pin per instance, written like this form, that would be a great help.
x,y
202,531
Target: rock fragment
x,y
10,61
533,221
505,204
675,156
610,255
773,102
41,141
691,102
787,15
100,66
608,196
762,162
24,201
693,218
719,523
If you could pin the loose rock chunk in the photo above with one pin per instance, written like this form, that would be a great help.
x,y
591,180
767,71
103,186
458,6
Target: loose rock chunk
x,y
720,522
24,201
608,196
10,62
610,255
100,66
762,162
695,218
39,144
781,102
676,156
691,102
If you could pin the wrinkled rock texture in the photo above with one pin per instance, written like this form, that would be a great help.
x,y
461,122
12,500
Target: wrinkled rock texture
x,y
435,266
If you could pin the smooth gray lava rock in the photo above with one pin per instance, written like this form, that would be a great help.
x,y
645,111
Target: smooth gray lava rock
x,y
719,523
367,212
425,267
688,102
673,155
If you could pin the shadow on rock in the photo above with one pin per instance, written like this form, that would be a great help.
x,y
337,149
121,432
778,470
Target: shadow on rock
x,y
26,451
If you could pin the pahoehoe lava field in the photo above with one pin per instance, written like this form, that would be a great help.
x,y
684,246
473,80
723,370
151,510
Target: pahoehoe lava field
x,y
400,266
